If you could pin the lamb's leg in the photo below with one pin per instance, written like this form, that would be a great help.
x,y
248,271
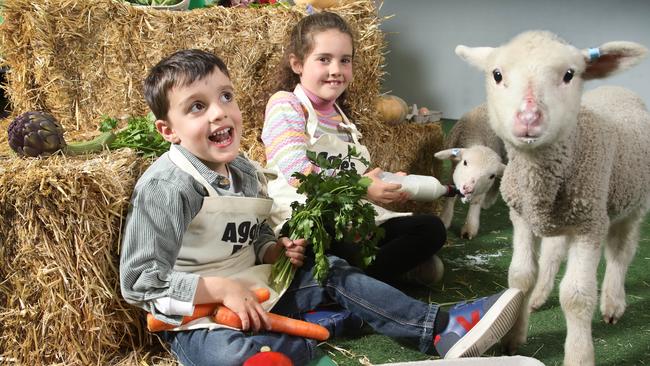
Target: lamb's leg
x,y
578,297
472,221
448,211
552,252
491,195
622,241
521,275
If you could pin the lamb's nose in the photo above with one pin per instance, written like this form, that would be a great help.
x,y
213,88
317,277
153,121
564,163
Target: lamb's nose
x,y
468,188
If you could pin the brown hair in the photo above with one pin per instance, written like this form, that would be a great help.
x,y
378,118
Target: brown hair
x,y
301,44
181,68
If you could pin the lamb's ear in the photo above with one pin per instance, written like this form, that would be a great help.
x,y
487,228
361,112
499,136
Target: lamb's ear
x,y
452,154
476,56
612,57
499,171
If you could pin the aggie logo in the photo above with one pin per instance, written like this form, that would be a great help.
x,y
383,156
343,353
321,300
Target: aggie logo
x,y
345,165
238,234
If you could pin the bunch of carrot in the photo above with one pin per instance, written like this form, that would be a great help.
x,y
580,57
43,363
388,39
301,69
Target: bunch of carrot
x,y
224,316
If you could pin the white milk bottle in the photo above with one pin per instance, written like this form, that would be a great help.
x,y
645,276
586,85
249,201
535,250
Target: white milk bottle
x,y
420,187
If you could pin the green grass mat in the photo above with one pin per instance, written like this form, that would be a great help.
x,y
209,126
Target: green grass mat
x,y
479,267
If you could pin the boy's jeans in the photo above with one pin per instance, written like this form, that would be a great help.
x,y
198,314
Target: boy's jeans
x,y
387,310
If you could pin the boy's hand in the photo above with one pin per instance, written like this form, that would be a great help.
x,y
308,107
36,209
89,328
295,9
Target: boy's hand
x,y
244,303
294,250
384,192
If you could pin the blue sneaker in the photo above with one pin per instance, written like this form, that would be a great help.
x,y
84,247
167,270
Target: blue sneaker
x,y
475,327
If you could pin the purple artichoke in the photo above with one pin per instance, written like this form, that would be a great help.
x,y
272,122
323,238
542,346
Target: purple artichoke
x,y
36,133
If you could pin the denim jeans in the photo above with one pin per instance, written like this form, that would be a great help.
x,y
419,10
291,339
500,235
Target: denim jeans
x,y
387,310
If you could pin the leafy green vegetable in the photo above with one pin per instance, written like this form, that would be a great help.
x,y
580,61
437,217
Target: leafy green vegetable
x,y
335,205
139,134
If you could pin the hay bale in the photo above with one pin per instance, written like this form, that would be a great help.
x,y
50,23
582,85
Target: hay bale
x,y
60,226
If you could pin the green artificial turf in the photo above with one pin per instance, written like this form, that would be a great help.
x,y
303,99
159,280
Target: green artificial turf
x,y
479,267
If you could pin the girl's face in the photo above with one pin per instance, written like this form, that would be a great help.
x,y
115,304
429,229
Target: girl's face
x,y
327,70
205,119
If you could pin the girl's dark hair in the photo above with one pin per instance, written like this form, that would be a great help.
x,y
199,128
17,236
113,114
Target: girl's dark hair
x,y
179,69
301,44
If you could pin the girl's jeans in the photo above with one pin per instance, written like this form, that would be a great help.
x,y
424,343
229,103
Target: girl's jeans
x,y
386,309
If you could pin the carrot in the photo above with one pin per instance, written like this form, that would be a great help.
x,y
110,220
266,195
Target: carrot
x,y
200,311
279,323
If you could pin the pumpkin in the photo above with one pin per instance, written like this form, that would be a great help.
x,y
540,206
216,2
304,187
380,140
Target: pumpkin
x,y
320,4
392,109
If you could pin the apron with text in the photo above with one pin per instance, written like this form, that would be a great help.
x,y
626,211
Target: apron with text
x,y
327,145
218,241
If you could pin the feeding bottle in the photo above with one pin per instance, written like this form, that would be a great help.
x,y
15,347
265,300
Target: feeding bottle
x,y
420,187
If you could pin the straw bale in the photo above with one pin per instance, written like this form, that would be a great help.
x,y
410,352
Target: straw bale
x,y
59,259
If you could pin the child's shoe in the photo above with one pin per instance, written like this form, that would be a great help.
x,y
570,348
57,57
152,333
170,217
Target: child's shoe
x,y
474,327
427,272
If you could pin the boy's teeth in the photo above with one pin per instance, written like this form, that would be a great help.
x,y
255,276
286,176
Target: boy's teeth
x,y
220,135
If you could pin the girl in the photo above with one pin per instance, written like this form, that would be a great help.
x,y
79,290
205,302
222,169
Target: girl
x,y
308,112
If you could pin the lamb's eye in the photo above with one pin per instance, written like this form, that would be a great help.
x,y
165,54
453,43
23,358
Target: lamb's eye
x,y
496,74
568,75
492,176
465,162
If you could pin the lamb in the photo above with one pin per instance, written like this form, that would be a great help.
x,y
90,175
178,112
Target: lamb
x,y
482,154
577,174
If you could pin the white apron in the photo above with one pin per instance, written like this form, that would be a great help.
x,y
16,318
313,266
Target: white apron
x,y
218,241
284,194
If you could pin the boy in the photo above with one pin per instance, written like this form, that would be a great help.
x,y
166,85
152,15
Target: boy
x,y
196,234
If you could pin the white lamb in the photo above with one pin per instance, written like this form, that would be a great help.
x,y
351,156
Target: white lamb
x,y
577,173
477,156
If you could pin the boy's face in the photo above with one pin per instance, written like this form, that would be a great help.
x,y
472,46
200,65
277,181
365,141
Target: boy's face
x,y
205,119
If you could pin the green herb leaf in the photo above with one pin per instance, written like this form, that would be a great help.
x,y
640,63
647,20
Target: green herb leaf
x,y
139,134
334,208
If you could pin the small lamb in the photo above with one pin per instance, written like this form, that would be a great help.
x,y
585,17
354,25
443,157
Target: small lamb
x,y
578,172
477,156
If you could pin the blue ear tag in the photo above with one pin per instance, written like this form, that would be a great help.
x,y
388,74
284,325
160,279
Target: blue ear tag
x,y
594,53
310,9
455,151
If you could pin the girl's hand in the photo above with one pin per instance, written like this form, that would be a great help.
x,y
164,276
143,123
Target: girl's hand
x,y
244,303
384,192
294,250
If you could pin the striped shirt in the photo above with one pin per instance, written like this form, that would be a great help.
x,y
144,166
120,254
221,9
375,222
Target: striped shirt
x,y
164,202
285,138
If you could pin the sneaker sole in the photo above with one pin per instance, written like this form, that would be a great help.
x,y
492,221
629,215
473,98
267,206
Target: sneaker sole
x,y
495,324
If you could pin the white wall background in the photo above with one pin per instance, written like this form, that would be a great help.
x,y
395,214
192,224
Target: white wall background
x,y
422,34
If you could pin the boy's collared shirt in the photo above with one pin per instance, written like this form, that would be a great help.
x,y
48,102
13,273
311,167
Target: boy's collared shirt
x,y
164,202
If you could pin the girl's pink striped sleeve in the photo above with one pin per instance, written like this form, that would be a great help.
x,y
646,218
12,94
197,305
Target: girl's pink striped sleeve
x,y
284,136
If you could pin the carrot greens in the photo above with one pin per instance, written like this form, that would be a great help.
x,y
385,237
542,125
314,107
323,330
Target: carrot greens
x,y
334,207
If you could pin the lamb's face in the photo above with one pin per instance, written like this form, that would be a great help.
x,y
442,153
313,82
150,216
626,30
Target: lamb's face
x,y
534,87
477,169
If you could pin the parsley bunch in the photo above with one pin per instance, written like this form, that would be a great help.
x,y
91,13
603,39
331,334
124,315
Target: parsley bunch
x,y
139,134
334,206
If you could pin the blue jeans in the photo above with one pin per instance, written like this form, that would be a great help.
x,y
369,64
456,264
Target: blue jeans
x,y
387,310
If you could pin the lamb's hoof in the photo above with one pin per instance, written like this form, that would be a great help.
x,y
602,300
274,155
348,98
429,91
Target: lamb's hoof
x,y
612,311
509,349
511,341
610,320
467,233
536,302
